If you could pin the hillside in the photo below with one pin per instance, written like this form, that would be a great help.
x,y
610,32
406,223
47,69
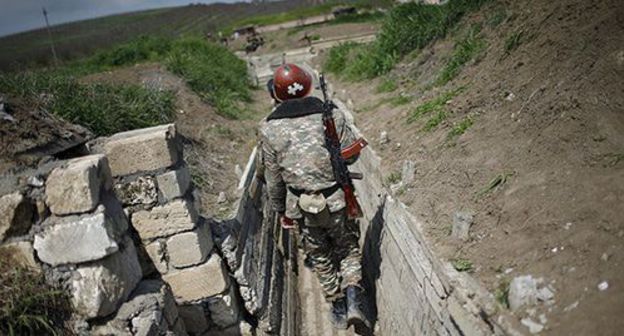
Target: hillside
x,y
516,119
78,39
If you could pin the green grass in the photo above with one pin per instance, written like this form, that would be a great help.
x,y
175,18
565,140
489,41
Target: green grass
x,y
271,19
400,100
434,121
405,28
104,109
513,41
465,50
29,306
496,17
393,178
460,128
211,71
388,85
462,265
501,293
359,18
435,105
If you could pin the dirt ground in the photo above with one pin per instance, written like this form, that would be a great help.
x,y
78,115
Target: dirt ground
x,y
548,119
214,145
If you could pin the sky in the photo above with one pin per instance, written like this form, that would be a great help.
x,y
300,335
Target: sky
x,y
21,15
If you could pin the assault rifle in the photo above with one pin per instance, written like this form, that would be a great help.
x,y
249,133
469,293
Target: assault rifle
x,y
339,156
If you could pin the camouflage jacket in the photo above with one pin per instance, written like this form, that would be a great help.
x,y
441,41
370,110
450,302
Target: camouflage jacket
x,y
293,155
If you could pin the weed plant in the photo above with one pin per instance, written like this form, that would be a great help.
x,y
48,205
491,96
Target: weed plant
x,y
465,50
29,306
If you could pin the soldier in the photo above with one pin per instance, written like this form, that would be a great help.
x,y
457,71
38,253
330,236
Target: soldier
x,y
303,190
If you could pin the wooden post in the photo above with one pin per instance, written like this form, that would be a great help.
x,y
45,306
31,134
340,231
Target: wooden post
x,y
45,15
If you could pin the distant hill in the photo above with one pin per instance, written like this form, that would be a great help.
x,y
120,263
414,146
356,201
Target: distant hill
x,y
78,39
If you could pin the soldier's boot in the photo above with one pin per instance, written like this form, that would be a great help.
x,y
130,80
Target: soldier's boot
x,y
355,315
338,313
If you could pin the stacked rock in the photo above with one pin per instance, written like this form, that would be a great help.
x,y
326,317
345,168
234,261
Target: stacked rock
x,y
154,185
85,236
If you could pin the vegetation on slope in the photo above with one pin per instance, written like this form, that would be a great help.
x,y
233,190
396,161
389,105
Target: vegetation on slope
x,y
210,70
406,28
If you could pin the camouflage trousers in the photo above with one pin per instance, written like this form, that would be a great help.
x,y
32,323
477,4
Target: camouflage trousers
x,y
331,243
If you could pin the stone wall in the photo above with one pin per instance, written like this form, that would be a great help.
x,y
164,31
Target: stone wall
x,y
120,230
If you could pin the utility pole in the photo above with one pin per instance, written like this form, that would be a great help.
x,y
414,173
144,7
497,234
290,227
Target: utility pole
x,y
45,15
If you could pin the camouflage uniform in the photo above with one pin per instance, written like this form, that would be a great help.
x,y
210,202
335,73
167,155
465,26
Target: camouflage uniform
x,y
294,157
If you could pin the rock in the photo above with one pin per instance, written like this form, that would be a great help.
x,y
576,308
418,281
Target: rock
x,y
604,257
461,226
76,240
522,292
166,220
99,288
407,173
150,323
174,184
190,248
109,330
156,251
545,294
140,191
224,309
75,188
194,318
35,182
571,306
141,150
222,198
534,327
22,253
16,215
603,286
149,296
383,138
199,282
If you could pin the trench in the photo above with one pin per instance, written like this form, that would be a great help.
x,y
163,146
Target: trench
x,y
409,290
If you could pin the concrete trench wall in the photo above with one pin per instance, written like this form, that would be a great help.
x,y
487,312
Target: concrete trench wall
x,y
120,230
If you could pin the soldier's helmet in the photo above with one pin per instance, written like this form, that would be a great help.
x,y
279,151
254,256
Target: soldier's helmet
x,y
290,82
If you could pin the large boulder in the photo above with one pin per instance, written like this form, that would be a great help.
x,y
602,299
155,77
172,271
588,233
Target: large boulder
x,y
141,150
15,215
75,187
199,282
99,288
166,220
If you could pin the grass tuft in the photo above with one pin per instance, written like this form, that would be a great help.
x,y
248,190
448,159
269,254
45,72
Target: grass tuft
x,y
434,105
513,41
29,306
387,85
466,49
502,293
460,128
393,178
462,265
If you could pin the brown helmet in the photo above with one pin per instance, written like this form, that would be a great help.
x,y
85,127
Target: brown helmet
x,y
290,82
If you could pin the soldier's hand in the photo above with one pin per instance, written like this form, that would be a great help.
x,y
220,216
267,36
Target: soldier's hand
x,y
286,223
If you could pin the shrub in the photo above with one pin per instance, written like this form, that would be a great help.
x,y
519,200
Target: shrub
x,y
29,306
